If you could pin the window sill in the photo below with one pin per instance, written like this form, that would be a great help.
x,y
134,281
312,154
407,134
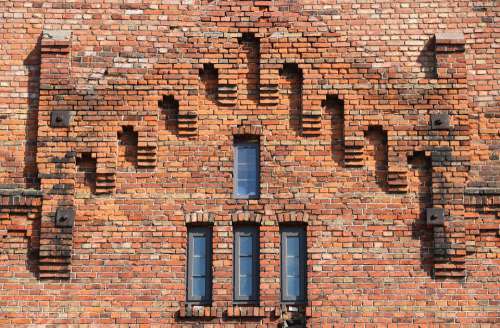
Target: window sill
x,y
187,311
245,311
198,311
239,197
295,308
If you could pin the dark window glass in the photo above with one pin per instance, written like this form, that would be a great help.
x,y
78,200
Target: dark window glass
x,y
246,257
293,264
199,275
246,168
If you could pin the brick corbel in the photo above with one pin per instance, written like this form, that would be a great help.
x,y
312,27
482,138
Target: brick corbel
x,y
450,160
447,194
397,168
188,98
15,203
311,104
354,141
450,59
146,143
269,75
227,85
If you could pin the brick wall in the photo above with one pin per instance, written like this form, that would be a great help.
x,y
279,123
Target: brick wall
x,y
378,124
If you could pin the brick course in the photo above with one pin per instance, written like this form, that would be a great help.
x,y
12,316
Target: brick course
x,y
378,125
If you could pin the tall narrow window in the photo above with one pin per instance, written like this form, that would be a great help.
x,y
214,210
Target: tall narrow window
x,y
293,264
199,275
245,265
246,168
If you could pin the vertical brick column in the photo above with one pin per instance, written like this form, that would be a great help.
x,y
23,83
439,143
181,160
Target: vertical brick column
x,y
397,170
450,160
311,103
146,148
269,75
353,142
187,119
55,159
227,87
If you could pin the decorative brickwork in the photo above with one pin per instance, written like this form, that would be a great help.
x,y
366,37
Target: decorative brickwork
x,y
55,153
19,231
378,135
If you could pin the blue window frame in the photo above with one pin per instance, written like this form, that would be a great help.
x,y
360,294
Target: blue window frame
x,y
246,168
245,264
293,264
199,272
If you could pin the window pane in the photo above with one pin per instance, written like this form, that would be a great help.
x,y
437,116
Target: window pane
x,y
199,266
250,172
293,287
248,154
246,245
293,245
246,168
292,266
199,269
247,187
245,266
245,271
243,172
244,188
199,246
247,172
199,287
293,259
246,286
243,156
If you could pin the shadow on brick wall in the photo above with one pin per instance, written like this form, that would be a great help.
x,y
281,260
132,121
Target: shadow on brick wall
x,y
422,232
376,154
420,183
291,80
32,63
427,59
32,258
169,110
334,110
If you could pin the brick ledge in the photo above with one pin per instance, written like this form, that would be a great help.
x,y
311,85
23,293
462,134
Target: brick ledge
x,y
21,192
187,311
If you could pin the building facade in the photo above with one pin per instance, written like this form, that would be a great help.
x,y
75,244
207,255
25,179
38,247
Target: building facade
x,y
249,163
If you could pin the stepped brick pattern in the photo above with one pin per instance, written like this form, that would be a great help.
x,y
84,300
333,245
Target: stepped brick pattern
x,y
379,131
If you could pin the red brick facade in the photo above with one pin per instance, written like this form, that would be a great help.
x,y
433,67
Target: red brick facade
x,y
378,124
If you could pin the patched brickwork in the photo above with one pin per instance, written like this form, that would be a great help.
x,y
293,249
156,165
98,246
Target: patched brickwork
x,y
377,124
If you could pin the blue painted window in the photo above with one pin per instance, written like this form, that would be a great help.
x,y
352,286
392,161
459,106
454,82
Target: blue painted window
x,y
293,264
246,168
246,257
199,277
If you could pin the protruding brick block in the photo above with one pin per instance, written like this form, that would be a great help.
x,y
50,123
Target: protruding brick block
x,y
65,217
435,216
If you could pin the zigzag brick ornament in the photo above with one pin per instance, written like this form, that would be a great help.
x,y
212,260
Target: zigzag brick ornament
x,y
283,163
